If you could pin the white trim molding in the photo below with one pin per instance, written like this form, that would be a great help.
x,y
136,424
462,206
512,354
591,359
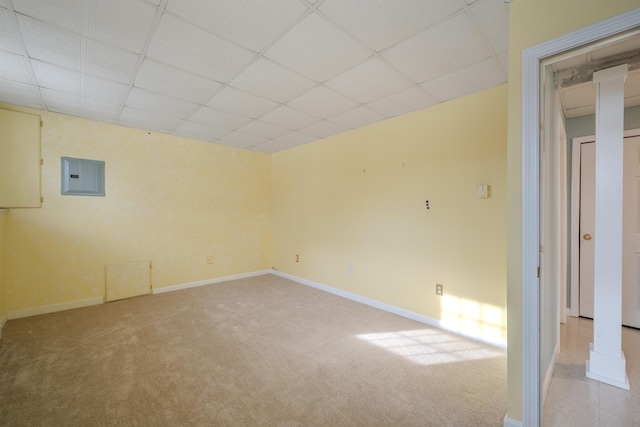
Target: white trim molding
x,y
531,60
510,422
394,310
46,309
209,281
3,321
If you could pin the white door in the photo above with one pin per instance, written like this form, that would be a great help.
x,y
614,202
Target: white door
x,y
630,237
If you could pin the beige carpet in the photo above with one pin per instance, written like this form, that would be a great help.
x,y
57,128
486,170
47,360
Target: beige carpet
x,y
263,351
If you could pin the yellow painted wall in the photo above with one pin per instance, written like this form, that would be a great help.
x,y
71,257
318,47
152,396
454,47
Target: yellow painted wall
x,y
532,22
170,200
353,207
3,300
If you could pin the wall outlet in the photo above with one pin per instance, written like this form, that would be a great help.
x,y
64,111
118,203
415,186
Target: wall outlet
x,y
210,259
297,258
439,289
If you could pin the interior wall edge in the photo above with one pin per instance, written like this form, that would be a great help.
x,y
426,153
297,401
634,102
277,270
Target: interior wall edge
x,y
500,343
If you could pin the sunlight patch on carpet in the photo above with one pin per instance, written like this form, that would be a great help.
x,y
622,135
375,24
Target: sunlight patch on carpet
x,y
430,347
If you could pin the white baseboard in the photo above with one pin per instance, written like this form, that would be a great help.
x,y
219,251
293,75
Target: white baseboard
x,y
209,281
45,309
510,422
3,321
393,309
549,373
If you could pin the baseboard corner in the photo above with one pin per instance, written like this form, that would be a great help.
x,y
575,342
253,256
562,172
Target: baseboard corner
x,y
178,287
510,422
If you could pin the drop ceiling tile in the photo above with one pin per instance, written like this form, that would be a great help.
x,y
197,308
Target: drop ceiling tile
x,y
101,111
358,117
62,102
316,49
272,146
323,129
105,91
218,118
483,75
193,49
242,103
57,78
14,67
9,33
256,24
110,62
156,103
578,96
149,121
4,3
404,102
271,81
201,131
242,140
155,2
443,49
369,21
288,118
62,13
50,44
493,18
323,102
176,83
259,128
296,138
17,93
122,23
205,14
369,81
420,15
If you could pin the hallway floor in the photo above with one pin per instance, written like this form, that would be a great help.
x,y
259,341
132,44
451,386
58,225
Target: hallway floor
x,y
575,400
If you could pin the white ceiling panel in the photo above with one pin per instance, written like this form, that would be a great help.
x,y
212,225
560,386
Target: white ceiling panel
x,y
404,102
323,102
369,21
483,75
149,121
263,75
201,131
443,49
17,93
358,117
288,118
242,103
242,139
271,81
14,67
267,130
175,83
296,138
62,13
369,81
9,33
323,129
156,103
110,63
316,49
57,78
122,23
493,18
106,91
219,118
50,44
256,23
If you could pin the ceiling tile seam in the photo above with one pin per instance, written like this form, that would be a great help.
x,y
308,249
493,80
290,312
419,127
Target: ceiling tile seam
x,y
257,55
485,39
25,54
142,55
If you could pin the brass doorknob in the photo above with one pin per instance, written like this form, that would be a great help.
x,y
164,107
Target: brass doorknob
x,y
587,237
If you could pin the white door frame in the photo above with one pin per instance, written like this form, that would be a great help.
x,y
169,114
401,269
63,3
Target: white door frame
x,y
575,216
531,90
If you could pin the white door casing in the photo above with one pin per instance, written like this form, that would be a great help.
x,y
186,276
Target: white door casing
x,y
587,226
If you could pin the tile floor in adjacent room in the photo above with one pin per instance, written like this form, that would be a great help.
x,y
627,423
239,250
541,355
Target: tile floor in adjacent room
x,y
575,400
